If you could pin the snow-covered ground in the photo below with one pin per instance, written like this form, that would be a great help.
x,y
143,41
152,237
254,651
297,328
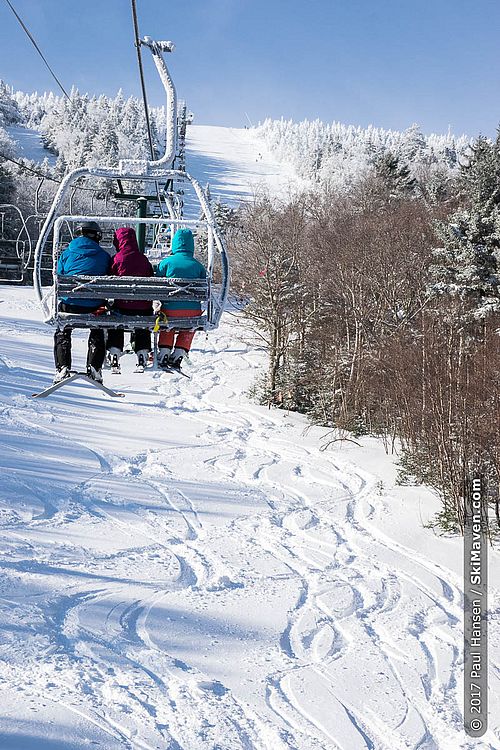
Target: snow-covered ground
x,y
29,144
184,569
235,163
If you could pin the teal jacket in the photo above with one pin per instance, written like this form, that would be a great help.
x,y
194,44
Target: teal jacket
x,y
182,265
86,257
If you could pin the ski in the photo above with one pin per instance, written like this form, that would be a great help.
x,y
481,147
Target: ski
x,y
175,370
77,376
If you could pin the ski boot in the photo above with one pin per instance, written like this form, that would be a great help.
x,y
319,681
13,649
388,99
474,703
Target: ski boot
x,y
114,360
61,374
164,358
175,359
142,360
94,374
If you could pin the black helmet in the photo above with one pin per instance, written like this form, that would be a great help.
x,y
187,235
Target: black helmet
x,y
90,229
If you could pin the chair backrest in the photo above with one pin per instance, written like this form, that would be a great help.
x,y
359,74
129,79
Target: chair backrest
x,y
131,288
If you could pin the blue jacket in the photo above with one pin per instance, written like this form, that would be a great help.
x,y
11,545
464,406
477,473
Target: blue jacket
x,y
182,265
83,256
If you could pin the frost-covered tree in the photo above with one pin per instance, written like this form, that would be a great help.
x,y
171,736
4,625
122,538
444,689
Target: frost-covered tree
x,y
9,110
105,145
395,175
7,185
342,156
466,266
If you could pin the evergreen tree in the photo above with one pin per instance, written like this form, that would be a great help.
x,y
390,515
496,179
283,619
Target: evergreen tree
x,y
466,267
9,109
105,147
7,186
395,175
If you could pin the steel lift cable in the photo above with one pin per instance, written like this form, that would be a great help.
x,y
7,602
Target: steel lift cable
x,y
29,169
31,37
40,174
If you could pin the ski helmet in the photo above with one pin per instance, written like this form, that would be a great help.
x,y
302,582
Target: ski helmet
x,y
90,229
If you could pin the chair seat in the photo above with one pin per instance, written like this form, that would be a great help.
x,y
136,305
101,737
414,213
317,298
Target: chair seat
x,y
128,322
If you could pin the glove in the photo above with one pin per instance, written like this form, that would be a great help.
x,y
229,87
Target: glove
x,y
156,307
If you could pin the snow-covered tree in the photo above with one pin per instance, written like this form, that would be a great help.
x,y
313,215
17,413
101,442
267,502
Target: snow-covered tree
x,y
395,175
343,155
466,266
9,110
7,185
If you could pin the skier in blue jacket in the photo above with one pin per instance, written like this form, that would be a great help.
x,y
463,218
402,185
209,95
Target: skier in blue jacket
x,y
174,345
84,256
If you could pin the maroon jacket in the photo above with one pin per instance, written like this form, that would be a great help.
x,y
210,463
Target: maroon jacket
x,y
129,261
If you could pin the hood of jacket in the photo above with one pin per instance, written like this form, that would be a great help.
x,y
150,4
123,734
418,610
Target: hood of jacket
x,y
125,241
129,261
183,242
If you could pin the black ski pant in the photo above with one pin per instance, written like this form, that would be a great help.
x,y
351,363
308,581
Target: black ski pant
x,y
140,338
96,350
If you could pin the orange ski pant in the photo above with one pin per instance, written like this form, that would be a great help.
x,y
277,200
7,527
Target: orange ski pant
x,y
182,339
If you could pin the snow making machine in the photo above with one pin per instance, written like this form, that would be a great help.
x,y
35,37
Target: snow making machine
x,y
147,175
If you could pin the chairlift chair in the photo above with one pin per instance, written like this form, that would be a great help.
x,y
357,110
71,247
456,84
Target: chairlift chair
x,y
211,295
16,250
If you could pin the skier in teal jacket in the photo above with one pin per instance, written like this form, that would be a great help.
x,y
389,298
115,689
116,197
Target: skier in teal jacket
x,y
174,345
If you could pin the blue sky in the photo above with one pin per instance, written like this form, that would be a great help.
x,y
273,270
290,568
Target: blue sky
x,y
390,63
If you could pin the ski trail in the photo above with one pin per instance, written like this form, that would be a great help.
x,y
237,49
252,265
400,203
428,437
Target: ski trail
x,y
314,634
189,570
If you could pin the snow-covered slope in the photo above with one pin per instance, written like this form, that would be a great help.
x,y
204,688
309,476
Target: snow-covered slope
x,y
184,569
235,163
29,144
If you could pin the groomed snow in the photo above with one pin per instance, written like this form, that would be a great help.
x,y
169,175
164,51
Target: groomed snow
x,y
184,569
235,163
29,144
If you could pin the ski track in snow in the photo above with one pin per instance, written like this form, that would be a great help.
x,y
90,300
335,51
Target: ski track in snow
x,y
188,570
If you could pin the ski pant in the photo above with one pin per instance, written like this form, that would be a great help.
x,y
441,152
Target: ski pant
x,y
181,339
95,352
140,338
62,342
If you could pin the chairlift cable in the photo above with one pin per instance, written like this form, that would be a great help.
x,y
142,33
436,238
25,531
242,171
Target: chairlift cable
x,y
31,37
141,75
29,169
144,94
40,174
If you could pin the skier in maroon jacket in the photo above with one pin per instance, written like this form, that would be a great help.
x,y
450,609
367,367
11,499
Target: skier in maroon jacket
x,y
129,261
